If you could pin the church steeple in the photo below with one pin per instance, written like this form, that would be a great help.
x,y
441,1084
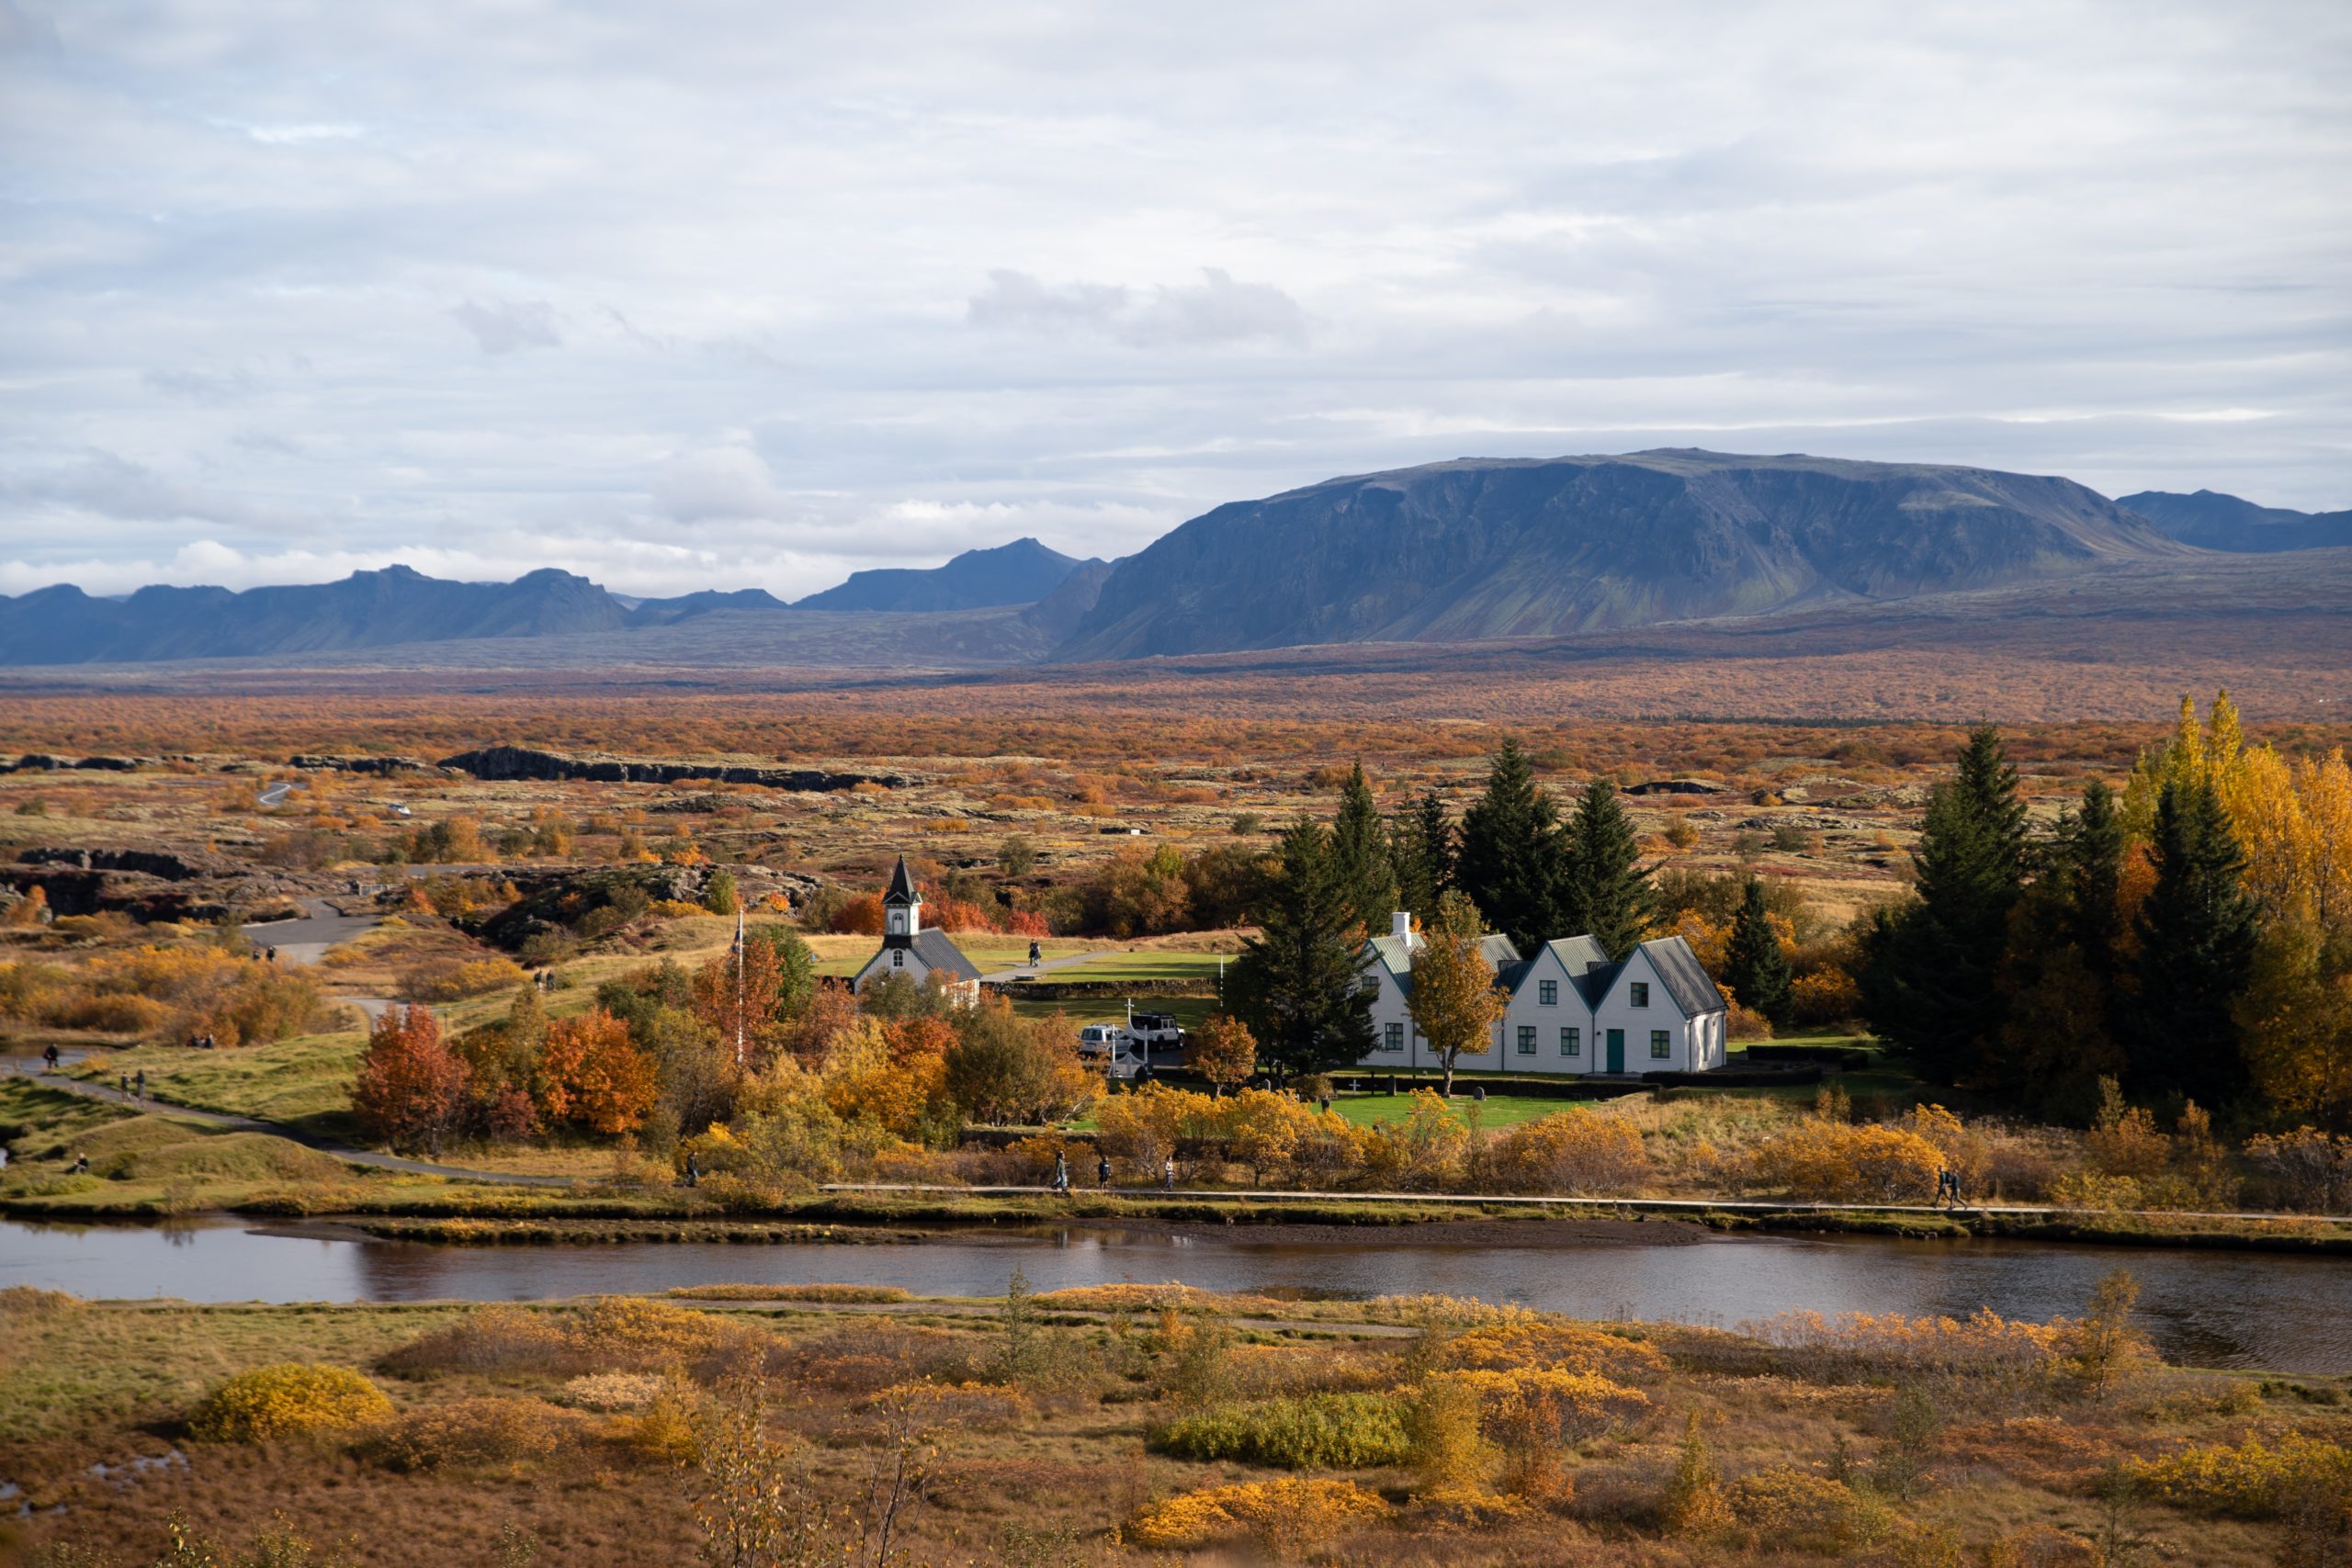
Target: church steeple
x,y
901,906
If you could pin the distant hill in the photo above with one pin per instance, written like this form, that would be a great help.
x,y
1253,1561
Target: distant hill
x,y
2213,521
1484,547
1019,573
367,609
669,612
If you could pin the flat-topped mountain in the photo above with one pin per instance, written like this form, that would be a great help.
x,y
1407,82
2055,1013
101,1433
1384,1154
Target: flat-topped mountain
x,y
2213,521
1489,547
1019,573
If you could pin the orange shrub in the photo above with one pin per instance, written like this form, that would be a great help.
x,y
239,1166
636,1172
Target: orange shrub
x,y
1831,1162
1570,1151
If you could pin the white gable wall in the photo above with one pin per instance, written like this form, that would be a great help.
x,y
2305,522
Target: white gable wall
x,y
1690,1045
1529,1011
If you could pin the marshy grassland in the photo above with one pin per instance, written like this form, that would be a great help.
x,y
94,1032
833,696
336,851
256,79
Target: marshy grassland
x,y
1136,1424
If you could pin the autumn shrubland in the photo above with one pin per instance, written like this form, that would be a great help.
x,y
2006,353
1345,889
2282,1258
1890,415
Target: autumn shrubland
x,y
1153,1427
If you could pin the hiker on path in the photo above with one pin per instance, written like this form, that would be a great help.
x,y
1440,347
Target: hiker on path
x,y
1167,1174
1102,1172
49,1058
693,1171
142,1082
124,1078
1061,1173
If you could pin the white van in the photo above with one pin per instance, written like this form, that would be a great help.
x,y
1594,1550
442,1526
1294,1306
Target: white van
x,y
1098,1038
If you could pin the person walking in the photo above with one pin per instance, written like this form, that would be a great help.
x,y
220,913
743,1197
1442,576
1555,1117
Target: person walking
x,y
1167,1174
1103,1171
1062,1172
693,1171
141,1081
49,1058
124,1081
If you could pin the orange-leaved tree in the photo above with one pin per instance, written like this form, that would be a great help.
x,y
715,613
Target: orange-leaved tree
x,y
592,1075
1456,1002
412,1088
1222,1051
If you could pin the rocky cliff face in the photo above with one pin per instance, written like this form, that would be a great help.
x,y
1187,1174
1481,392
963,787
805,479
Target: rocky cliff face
x,y
1518,547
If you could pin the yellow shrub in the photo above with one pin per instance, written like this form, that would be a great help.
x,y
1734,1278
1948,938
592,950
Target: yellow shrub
x,y
1887,1344
2253,1480
287,1397
1785,1508
1532,1413
614,1390
1570,1151
1566,1346
476,1432
1288,1514
1830,1162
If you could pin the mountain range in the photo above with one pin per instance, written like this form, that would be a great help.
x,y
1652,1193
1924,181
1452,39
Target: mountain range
x,y
1453,552
1477,548
2213,521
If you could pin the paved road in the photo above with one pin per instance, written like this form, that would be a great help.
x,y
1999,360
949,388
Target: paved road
x,y
306,940
1031,971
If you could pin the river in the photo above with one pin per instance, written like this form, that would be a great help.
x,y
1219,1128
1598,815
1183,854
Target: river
x,y
2210,1309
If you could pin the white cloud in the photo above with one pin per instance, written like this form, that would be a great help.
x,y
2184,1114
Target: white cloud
x,y
840,288
504,325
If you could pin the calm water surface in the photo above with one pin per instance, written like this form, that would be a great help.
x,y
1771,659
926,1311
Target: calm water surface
x,y
2213,1309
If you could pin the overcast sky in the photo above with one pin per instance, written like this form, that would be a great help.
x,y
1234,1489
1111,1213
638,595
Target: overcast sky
x,y
722,295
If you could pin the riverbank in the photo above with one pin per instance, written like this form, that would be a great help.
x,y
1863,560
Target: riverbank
x,y
161,1162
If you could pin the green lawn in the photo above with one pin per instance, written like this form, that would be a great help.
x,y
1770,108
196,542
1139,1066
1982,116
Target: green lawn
x,y
304,1082
1137,966
1499,1110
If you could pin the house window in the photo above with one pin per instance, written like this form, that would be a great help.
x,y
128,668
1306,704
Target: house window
x,y
1393,1037
1571,1043
1661,1044
1548,993
897,958
1641,993
1527,1040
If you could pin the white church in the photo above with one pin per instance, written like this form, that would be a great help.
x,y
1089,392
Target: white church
x,y
919,954
1572,1009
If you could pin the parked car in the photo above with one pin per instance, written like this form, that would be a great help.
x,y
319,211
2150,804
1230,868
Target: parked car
x,y
1155,1030
1096,1039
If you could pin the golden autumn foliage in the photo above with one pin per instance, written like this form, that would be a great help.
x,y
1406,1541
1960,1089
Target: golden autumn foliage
x,y
1833,1162
1286,1514
165,993
592,1075
284,1398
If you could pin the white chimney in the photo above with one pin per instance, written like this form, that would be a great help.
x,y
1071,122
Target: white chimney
x,y
1400,925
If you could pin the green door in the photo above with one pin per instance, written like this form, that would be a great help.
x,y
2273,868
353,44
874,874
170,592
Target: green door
x,y
1616,1050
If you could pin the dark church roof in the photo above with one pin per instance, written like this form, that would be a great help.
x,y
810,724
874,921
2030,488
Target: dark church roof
x,y
902,886
938,951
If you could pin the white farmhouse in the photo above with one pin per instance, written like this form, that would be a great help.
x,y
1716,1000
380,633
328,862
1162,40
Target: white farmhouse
x,y
1572,1010
908,949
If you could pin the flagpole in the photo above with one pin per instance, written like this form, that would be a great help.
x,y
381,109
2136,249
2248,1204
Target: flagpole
x,y
739,984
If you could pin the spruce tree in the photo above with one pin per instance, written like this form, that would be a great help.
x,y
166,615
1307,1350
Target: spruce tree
x,y
1299,984
1931,971
2197,931
1608,892
1360,855
2059,974
1513,857
2090,850
1421,849
1754,967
